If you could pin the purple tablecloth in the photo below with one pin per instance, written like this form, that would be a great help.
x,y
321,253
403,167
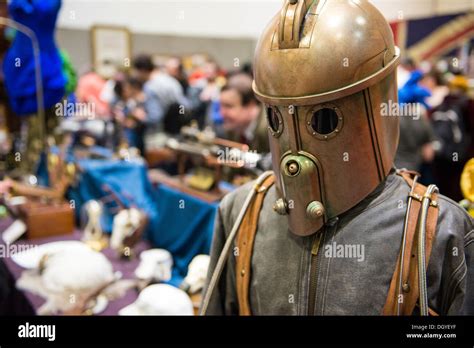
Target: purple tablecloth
x,y
126,267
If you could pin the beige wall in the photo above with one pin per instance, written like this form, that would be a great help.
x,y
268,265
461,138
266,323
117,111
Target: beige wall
x,y
77,44
217,18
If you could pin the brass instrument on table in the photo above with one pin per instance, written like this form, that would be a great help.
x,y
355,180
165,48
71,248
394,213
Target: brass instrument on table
x,y
61,175
44,209
214,153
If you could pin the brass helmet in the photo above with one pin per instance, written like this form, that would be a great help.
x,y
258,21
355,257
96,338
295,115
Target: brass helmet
x,y
325,69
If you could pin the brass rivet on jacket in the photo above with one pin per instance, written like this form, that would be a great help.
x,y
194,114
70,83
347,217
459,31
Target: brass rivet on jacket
x,y
242,273
406,287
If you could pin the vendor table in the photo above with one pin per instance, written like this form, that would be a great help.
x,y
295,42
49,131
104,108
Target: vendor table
x,y
178,222
26,303
126,267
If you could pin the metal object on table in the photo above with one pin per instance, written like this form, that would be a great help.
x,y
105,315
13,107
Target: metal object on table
x,y
92,226
45,210
214,153
158,177
61,175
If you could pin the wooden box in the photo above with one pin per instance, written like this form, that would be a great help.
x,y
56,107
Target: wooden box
x,y
47,219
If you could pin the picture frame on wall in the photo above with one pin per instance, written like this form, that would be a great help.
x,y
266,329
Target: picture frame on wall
x,y
111,49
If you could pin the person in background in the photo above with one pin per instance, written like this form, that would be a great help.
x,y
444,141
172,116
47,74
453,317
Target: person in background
x,y
243,115
164,95
89,90
198,109
129,111
416,135
452,126
108,93
209,86
406,67
174,68
434,82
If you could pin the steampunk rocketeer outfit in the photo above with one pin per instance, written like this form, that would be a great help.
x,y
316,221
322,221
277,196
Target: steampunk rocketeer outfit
x,y
340,232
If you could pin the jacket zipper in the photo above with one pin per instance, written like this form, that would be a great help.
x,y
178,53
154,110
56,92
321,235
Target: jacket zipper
x,y
313,275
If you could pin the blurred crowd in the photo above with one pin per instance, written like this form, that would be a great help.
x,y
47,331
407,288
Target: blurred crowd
x,y
436,139
143,102
148,100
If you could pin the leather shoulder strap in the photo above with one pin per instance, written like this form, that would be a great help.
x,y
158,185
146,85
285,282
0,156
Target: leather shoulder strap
x,y
403,301
245,241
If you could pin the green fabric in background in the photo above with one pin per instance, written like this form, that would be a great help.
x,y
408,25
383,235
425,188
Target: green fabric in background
x,y
69,72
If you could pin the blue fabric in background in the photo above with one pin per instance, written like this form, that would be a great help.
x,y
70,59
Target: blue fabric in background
x,y
184,227
216,115
179,223
126,179
42,170
19,64
413,92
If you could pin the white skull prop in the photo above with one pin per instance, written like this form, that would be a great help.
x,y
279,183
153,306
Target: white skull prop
x,y
160,299
125,223
155,265
197,273
68,278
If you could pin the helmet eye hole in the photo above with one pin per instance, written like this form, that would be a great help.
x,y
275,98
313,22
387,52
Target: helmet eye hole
x,y
272,119
275,123
324,121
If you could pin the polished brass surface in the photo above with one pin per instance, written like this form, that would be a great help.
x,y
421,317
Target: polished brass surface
x,y
291,18
327,54
300,191
315,210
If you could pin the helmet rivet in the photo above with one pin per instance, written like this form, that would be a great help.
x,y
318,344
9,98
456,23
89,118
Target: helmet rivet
x,y
280,207
406,287
293,168
314,210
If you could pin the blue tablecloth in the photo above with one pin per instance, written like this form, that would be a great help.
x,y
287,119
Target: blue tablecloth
x,y
179,223
184,226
